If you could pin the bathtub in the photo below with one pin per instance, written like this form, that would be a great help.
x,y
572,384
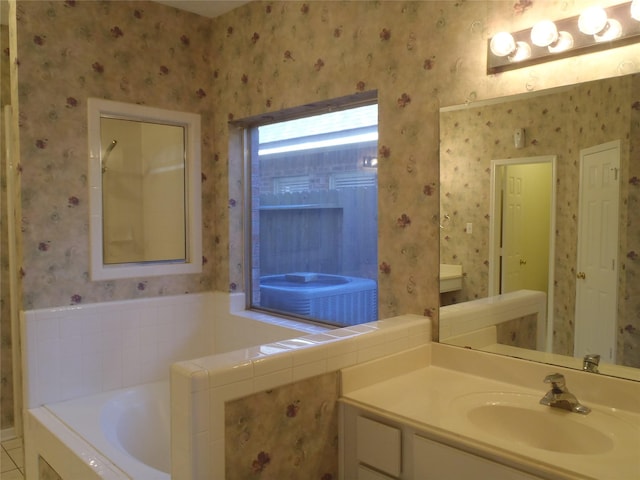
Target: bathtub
x,y
129,426
98,374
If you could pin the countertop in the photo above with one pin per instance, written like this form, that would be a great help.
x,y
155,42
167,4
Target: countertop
x,y
431,399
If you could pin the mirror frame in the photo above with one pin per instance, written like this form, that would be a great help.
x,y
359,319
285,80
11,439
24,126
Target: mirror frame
x,y
101,108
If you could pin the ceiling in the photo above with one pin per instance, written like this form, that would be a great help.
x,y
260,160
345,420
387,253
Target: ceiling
x,y
206,8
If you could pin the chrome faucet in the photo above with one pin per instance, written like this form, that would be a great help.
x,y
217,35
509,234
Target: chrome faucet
x,y
560,397
590,362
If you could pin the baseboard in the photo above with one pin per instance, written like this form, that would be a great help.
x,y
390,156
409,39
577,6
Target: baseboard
x,y
7,434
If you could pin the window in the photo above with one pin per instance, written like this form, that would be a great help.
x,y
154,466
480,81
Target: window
x,y
313,218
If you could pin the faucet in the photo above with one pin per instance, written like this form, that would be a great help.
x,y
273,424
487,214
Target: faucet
x,y
590,362
560,397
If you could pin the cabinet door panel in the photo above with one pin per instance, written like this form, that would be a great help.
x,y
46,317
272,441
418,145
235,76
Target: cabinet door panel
x,y
365,473
379,446
434,461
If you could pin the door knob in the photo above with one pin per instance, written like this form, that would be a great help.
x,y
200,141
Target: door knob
x,y
581,275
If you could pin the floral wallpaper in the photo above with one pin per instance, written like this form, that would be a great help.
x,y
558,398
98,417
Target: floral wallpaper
x,y
561,124
68,51
254,60
287,432
629,314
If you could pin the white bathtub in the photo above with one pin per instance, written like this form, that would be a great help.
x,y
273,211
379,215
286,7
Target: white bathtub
x,y
94,408
129,426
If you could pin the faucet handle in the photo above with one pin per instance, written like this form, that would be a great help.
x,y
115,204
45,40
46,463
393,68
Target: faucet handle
x,y
590,362
556,380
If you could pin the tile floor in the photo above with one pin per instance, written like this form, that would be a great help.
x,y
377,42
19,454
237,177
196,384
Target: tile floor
x,y
12,461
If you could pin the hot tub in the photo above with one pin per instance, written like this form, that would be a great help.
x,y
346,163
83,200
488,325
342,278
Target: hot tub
x,y
338,299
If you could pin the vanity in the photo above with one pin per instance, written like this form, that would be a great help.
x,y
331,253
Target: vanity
x,y
442,412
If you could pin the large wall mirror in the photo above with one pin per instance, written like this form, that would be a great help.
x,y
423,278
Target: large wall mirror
x,y
584,142
144,167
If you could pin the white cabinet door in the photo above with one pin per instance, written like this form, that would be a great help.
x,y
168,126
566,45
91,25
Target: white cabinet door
x,y
365,473
434,461
379,446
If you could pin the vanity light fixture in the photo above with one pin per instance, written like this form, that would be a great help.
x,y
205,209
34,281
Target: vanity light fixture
x,y
594,29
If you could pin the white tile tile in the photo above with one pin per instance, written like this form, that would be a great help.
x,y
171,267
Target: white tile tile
x,y
234,374
12,475
320,337
131,338
272,380
309,370
6,463
372,339
341,361
202,456
200,381
310,354
112,368
200,411
71,376
381,350
48,328
343,346
230,391
341,333
92,373
273,363
363,328
419,339
71,326
17,455
71,345
12,444
217,459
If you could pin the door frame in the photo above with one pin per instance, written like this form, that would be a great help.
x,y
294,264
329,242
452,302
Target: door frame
x,y
495,234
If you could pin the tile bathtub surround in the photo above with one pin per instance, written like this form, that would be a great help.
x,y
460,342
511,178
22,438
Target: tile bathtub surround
x,y
85,349
81,350
200,387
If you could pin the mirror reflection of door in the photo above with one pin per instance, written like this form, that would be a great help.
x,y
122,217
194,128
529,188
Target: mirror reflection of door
x,y
522,228
526,211
597,272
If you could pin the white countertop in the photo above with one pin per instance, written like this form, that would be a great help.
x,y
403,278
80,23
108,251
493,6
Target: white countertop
x,y
427,399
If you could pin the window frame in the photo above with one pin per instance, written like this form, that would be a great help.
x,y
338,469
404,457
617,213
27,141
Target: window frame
x,y
249,128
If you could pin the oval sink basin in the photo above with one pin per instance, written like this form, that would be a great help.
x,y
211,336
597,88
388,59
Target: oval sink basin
x,y
519,418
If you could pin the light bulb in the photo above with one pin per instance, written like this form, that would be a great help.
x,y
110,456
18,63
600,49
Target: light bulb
x,y
523,52
592,20
564,42
544,33
612,31
635,10
502,44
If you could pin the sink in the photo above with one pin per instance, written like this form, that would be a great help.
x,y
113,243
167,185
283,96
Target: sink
x,y
519,418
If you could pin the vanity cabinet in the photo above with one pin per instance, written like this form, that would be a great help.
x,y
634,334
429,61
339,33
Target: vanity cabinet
x,y
433,460
374,447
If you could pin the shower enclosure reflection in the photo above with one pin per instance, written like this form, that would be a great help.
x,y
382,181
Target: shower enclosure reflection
x,y
143,197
